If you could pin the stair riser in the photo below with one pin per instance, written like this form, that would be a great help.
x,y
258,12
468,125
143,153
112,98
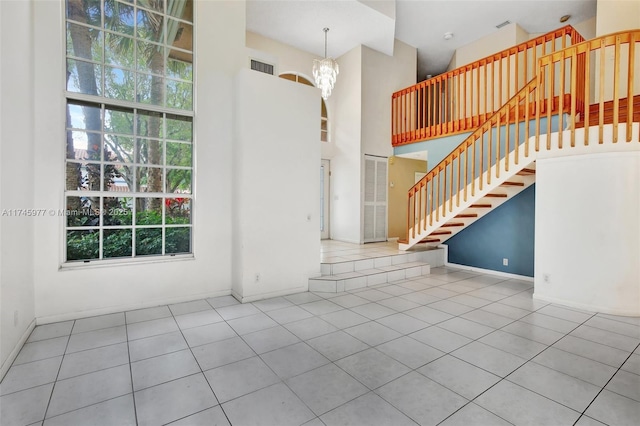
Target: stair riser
x,y
360,265
339,285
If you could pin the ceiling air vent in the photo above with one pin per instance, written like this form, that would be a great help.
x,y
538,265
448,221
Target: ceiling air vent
x,y
505,23
261,67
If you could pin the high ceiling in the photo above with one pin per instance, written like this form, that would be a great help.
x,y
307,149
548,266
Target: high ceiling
x,y
419,23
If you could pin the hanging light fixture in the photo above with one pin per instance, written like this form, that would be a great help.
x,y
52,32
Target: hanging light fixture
x,y
325,71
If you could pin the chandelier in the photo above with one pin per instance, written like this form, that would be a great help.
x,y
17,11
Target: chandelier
x,y
325,71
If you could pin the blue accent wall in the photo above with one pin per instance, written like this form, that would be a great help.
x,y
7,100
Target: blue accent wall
x,y
507,231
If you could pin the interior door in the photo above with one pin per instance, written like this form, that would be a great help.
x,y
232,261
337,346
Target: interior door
x,y
375,199
324,199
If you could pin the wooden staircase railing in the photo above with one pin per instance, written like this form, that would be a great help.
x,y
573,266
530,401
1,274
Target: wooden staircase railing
x,y
461,99
577,75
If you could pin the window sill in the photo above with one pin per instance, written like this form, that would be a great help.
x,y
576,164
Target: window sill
x,y
105,263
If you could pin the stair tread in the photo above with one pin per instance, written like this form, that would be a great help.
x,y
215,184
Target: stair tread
x,y
480,206
368,272
440,232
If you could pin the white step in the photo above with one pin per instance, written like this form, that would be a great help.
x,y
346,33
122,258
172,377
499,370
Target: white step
x,y
350,275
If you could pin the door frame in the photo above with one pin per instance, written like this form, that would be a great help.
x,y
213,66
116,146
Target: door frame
x,y
325,199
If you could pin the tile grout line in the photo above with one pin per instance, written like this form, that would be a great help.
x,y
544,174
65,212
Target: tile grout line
x,y
605,385
198,363
133,395
505,377
55,382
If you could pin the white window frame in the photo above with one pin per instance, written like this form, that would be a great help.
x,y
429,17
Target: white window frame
x,y
105,102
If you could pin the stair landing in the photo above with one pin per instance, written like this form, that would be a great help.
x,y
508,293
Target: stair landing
x,y
348,266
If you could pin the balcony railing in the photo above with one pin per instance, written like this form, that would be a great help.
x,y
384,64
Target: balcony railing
x,y
462,99
602,72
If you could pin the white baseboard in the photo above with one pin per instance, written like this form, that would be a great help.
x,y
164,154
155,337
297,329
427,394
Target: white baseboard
x,y
16,349
589,308
129,307
481,270
268,295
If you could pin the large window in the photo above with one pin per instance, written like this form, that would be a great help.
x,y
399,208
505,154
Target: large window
x,y
129,144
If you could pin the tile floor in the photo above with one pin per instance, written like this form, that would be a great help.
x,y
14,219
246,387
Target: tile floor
x,y
451,348
332,251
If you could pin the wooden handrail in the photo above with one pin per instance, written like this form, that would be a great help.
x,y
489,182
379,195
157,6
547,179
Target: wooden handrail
x,y
459,100
537,109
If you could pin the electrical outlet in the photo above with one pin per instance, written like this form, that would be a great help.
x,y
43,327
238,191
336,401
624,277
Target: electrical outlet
x,y
546,278
257,278
505,262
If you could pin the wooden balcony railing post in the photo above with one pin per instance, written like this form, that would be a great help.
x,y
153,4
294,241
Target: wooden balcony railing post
x,y
630,84
616,88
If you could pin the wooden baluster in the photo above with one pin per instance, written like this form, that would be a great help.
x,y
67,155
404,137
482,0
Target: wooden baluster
x,y
434,108
458,185
517,129
464,99
481,174
550,101
419,210
501,102
393,120
444,189
630,81
442,99
508,78
459,104
542,54
573,91
525,65
432,199
438,196
409,227
425,101
540,77
516,86
493,86
527,105
616,89
561,99
477,95
451,185
587,93
489,153
486,90
473,170
601,106
507,144
466,164
498,144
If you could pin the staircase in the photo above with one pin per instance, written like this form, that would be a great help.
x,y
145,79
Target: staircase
x,y
351,275
549,117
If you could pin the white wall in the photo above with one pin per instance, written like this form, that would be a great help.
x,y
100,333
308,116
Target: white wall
x,y
292,60
16,177
587,232
382,75
503,38
617,15
59,294
346,103
276,186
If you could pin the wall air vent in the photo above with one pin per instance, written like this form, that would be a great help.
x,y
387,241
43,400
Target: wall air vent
x,y
504,24
262,67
